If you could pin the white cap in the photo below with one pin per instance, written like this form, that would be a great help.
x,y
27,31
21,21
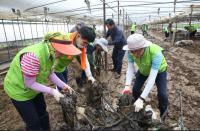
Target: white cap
x,y
103,43
136,41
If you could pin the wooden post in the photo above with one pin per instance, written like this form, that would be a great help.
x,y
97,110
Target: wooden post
x,y
118,12
174,6
191,7
104,19
173,37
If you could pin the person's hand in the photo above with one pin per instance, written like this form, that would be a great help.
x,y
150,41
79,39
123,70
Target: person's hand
x,y
126,90
57,95
67,88
138,105
91,78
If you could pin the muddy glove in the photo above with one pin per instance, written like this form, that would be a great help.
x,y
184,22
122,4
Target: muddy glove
x,y
138,105
67,88
91,78
126,90
57,95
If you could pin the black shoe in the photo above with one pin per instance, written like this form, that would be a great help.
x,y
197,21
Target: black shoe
x,y
163,116
117,75
112,70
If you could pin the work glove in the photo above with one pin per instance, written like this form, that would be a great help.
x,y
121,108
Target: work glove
x,y
57,95
138,104
68,89
126,90
91,78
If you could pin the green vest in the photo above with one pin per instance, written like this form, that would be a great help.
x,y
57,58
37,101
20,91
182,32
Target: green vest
x,y
144,27
133,27
144,63
192,28
165,29
14,82
62,63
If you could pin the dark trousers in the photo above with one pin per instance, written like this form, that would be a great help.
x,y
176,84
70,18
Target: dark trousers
x,y
33,113
192,34
63,76
132,32
117,57
144,32
161,83
166,34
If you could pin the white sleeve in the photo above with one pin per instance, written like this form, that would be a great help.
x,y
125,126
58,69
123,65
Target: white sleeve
x,y
129,73
87,70
150,83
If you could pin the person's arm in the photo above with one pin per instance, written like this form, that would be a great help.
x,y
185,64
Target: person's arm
x,y
130,69
129,75
54,78
88,71
30,82
30,66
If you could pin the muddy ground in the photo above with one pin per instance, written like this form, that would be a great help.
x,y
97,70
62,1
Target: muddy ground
x,y
183,74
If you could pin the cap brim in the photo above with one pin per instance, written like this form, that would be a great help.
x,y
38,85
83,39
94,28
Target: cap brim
x,y
66,49
103,47
98,42
125,47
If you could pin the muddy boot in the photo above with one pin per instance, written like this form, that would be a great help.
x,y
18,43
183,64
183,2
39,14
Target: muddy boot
x,y
82,89
117,75
163,116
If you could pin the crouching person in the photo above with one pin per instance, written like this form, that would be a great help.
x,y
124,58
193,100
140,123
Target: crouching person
x,y
152,66
29,71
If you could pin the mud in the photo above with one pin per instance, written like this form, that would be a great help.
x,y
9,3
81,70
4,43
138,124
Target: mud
x,y
95,116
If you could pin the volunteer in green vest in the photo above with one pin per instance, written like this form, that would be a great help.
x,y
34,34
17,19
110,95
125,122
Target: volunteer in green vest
x,y
133,28
192,30
152,66
29,72
144,28
165,30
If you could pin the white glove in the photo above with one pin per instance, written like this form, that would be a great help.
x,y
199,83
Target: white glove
x,y
91,79
57,95
138,105
126,90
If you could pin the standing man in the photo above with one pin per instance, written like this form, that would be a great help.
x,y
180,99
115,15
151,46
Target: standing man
x,y
165,30
77,27
191,31
133,28
169,27
144,28
152,66
118,40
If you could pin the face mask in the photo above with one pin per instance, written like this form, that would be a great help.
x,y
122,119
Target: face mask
x,y
78,43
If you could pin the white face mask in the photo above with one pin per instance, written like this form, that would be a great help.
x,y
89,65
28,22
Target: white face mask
x,y
78,43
